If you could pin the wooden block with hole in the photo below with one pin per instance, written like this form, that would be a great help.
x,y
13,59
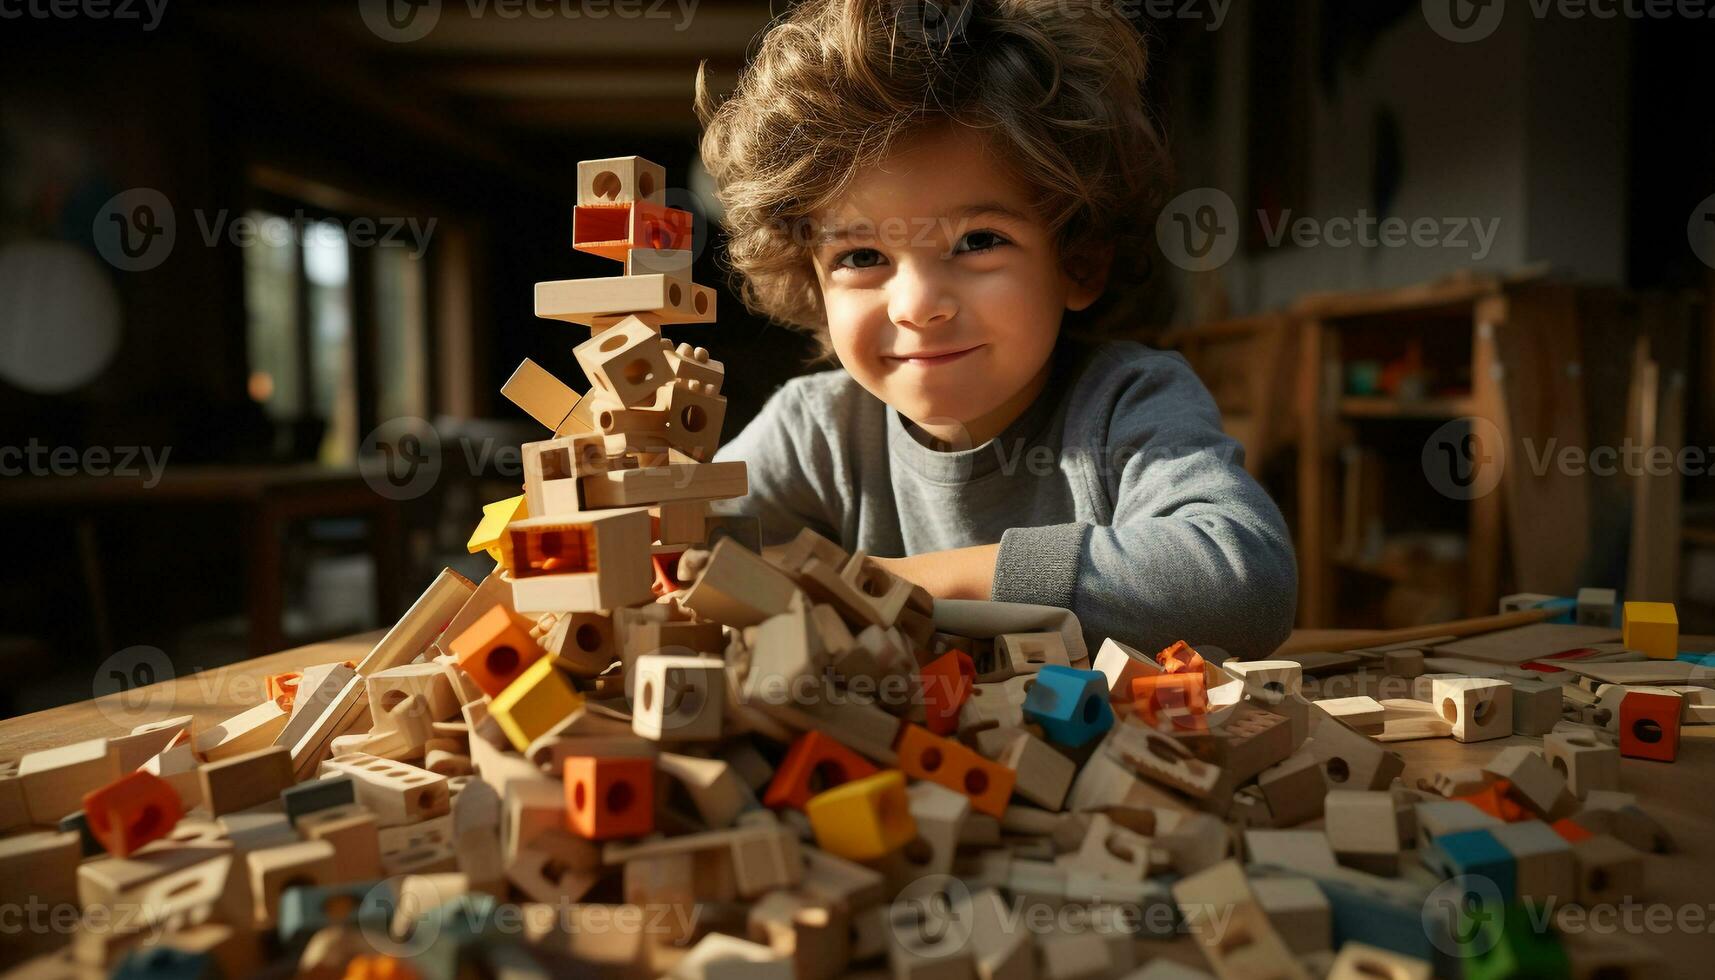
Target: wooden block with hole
x,y
609,797
1479,708
275,869
924,755
690,363
1248,945
1044,774
1025,653
395,792
390,687
1586,762
625,363
354,835
582,643
551,471
590,562
613,230
670,299
1353,761
1360,961
1649,723
695,414
678,698
1533,780
621,180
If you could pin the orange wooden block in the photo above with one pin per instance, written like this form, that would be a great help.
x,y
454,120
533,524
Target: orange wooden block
x,y
1180,659
1571,830
378,967
1176,701
613,230
494,650
610,796
666,569
283,685
132,811
813,764
1497,801
1649,725
925,755
946,684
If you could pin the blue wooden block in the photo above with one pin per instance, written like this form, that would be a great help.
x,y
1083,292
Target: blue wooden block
x,y
306,910
1566,610
1070,705
166,963
1476,853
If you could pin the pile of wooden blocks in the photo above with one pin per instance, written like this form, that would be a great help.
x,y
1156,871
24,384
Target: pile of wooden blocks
x,y
640,747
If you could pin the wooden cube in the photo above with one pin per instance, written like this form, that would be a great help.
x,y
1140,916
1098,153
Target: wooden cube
x,y
275,869
1596,607
1295,789
533,704
609,797
135,809
1478,708
1362,831
679,698
1534,781
1608,871
594,562
494,650
354,834
695,415
626,362
1649,723
1652,627
1586,762
864,819
1536,706
621,180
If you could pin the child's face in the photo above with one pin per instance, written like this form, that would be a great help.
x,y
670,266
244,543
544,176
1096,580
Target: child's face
x,y
943,289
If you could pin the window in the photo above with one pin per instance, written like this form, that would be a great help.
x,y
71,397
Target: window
x,y
337,326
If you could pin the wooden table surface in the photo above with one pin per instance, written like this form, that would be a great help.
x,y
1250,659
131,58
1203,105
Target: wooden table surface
x,y
1679,887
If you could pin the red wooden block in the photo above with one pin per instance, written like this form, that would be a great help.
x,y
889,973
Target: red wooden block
x,y
1172,701
666,573
1571,830
924,755
946,682
613,230
494,650
132,811
813,764
610,796
1649,726
1180,659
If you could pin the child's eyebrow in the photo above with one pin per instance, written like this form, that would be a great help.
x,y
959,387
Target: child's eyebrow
x,y
831,233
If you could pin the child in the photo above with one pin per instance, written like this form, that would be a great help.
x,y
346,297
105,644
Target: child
x,y
931,203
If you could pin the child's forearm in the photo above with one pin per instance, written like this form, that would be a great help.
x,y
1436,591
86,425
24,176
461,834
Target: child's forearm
x,y
961,573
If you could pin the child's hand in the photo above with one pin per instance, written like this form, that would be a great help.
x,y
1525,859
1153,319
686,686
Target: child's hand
x,y
962,573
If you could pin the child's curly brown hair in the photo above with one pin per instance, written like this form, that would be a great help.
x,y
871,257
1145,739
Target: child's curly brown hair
x,y
1057,84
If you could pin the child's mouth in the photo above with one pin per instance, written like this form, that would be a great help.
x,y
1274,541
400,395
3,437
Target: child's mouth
x,y
931,360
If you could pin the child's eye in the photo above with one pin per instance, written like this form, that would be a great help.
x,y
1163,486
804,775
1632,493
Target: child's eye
x,y
979,241
858,258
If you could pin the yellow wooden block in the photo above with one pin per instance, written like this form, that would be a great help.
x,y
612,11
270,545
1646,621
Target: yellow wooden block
x,y
495,517
536,701
1652,627
864,819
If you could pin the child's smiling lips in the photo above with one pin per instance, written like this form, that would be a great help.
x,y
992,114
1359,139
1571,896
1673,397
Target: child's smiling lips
x,y
931,358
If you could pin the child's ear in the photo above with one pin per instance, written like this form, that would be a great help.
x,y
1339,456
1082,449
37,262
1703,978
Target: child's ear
x,y
1087,274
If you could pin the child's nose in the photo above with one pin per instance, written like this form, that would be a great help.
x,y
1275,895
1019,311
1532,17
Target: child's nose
x,y
920,298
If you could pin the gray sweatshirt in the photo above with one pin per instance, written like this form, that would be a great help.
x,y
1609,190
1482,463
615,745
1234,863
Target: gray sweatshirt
x,y
1114,495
